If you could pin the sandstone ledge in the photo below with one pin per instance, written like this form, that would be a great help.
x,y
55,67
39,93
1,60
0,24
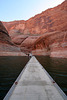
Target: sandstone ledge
x,y
12,54
59,54
41,52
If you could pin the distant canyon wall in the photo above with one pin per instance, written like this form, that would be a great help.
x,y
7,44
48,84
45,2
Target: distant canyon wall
x,y
43,34
53,44
54,19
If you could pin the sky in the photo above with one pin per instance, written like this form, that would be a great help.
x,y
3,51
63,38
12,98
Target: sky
x,y
11,10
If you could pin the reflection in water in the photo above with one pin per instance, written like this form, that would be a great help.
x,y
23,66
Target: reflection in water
x,y
10,68
57,68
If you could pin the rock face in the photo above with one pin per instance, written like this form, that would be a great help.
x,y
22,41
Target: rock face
x,y
19,39
26,45
6,44
52,43
54,19
43,34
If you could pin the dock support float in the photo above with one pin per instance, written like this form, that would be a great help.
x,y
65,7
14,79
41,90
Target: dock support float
x,y
34,83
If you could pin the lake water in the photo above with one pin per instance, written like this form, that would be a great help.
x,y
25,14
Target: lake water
x,y
10,68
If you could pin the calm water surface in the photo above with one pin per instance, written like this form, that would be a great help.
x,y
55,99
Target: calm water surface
x,y
57,68
10,68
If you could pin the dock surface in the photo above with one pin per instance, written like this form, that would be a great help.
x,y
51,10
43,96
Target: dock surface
x,y
35,84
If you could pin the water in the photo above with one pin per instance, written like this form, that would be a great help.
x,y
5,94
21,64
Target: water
x,y
10,68
57,68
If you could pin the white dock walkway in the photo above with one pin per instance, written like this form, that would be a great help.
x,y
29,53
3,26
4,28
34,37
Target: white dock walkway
x,y
34,83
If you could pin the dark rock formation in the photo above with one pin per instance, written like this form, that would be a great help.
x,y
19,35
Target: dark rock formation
x,y
6,44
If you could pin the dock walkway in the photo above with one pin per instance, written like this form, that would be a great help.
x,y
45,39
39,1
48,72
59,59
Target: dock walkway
x,y
34,83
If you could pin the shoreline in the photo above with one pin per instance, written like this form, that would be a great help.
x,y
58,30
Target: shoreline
x,y
52,54
12,54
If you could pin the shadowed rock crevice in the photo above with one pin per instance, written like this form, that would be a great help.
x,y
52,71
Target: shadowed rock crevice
x,y
6,44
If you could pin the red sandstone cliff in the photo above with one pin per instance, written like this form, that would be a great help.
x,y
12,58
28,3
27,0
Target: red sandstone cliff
x,y
54,19
6,44
43,34
52,43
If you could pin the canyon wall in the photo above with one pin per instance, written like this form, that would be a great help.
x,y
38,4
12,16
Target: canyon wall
x,y
7,47
43,34
52,43
53,19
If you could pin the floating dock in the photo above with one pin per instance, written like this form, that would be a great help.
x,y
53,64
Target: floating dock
x,y
34,83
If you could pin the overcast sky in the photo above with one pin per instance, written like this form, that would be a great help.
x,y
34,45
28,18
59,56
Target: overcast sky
x,y
11,10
